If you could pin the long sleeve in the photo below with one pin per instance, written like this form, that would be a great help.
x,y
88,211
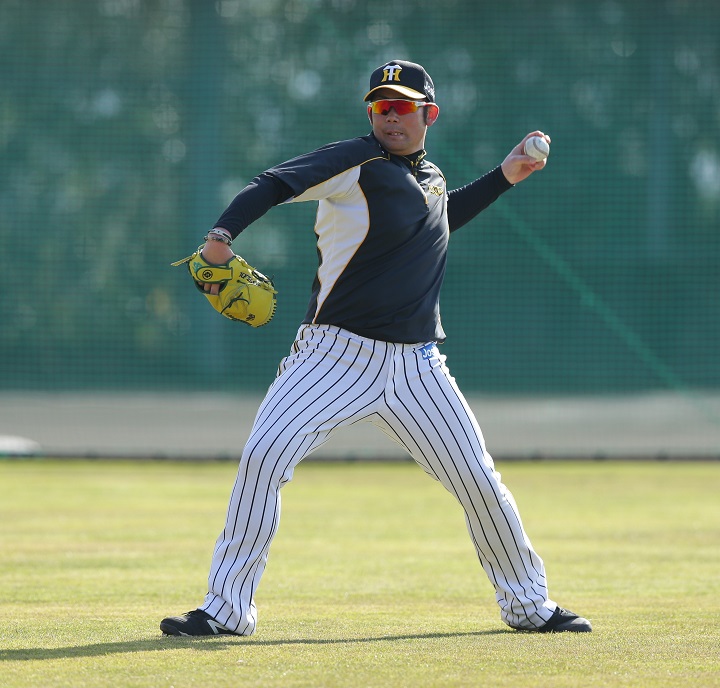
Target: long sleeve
x,y
467,201
261,194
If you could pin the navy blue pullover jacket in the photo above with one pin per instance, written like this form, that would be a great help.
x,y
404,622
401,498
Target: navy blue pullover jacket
x,y
382,227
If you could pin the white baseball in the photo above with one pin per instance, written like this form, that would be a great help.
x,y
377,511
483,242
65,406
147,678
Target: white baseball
x,y
537,147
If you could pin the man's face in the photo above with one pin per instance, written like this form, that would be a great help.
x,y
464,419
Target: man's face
x,y
401,134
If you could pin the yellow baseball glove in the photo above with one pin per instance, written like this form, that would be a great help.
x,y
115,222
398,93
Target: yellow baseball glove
x,y
245,294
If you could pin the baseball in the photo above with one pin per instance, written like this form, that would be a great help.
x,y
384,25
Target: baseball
x,y
537,147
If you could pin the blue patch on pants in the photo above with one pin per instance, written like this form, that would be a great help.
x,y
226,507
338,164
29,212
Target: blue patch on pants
x,y
428,351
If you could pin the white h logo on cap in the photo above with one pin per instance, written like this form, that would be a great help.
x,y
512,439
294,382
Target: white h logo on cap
x,y
391,73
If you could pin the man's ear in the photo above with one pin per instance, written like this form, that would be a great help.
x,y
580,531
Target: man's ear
x,y
431,114
369,111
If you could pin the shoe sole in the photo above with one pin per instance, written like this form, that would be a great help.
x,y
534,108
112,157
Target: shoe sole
x,y
168,630
574,626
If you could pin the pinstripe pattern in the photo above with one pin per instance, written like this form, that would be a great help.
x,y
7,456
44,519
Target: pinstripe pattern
x,y
333,378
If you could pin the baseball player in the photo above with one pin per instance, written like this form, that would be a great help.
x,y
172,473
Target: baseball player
x,y
367,350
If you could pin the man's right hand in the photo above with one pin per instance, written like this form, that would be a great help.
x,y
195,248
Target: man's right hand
x,y
216,253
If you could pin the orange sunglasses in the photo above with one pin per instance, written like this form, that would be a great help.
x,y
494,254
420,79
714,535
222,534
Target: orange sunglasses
x,y
402,107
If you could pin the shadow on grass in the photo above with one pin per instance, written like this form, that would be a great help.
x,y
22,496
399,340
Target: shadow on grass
x,y
211,644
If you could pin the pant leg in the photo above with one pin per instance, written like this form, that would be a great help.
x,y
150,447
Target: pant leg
x,y
330,380
431,418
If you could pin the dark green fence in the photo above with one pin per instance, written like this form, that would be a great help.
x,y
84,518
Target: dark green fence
x,y
126,126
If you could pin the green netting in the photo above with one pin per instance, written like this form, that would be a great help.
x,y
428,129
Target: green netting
x,y
126,126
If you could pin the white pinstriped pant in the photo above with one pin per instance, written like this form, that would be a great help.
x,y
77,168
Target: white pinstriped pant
x,y
334,378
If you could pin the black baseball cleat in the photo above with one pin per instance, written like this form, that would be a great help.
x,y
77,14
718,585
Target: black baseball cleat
x,y
562,621
194,623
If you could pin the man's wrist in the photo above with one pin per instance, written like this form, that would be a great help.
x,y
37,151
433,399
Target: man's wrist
x,y
219,234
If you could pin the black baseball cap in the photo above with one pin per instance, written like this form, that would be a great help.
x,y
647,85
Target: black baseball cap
x,y
406,78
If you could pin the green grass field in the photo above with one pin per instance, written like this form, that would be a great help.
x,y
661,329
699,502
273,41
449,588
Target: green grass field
x,y
372,580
